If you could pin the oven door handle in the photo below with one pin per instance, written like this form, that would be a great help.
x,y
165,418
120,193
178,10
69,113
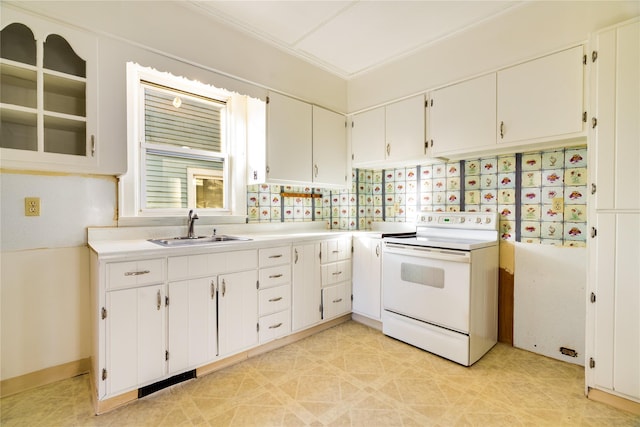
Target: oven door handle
x,y
431,253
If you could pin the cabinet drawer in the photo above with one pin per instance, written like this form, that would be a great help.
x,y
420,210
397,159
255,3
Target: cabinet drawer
x,y
273,276
336,272
275,256
184,267
274,326
335,250
134,273
273,300
336,300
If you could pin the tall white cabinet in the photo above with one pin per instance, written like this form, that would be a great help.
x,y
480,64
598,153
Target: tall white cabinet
x,y
613,318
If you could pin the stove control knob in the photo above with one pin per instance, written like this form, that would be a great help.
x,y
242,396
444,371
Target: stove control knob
x,y
478,220
487,220
462,220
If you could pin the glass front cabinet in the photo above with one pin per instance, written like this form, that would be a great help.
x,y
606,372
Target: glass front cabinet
x,y
47,96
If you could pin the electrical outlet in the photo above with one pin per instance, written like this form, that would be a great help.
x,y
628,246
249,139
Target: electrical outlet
x,y
557,204
32,206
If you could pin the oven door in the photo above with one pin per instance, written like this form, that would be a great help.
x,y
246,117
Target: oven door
x,y
427,284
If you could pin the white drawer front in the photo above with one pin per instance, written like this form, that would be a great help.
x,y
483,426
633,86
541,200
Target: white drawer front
x,y
275,256
274,299
273,276
336,250
134,273
336,272
274,326
336,300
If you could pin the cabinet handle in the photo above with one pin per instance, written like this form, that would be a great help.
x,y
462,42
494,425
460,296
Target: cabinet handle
x,y
315,170
137,273
295,251
213,290
159,300
277,325
93,145
224,287
377,250
335,273
275,299
388,149
275,276
501,129
337,300
276,256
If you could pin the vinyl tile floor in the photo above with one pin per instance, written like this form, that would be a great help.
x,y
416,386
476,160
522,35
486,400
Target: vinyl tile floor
x,y
349,375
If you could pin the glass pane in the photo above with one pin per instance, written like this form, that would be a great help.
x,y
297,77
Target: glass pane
x,y
59,56
18,86
176,119
209,192
64,136
167,180
17,43
18,130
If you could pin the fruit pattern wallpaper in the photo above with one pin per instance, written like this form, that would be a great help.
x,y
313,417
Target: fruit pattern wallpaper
x,y
540,196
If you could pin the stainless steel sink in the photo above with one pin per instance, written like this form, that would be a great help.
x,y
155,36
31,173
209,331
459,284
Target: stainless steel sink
x,y
197,240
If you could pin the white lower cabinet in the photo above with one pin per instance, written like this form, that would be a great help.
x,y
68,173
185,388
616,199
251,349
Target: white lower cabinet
x,y
306,307
335,267
237,311
367,285
135,337
192,323
274,296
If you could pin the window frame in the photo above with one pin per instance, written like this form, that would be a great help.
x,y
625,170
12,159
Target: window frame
x,y
132,206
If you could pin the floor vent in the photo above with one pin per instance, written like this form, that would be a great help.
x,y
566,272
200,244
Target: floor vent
x,y
152,388
568,352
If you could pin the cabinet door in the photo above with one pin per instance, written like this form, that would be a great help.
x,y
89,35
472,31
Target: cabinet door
x,y
617,320
617,109
330,156
405,130
289,140
336,300
192,323
368,137
542,98
462,117
237,311
366,276
135,333
306,286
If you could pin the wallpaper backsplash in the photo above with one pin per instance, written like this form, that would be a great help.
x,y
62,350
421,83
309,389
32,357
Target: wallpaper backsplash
x,y
540,196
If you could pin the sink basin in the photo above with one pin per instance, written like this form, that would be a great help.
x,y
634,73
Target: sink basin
x,y
197,240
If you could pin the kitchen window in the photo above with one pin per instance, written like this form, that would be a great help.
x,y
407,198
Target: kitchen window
x,y
183,137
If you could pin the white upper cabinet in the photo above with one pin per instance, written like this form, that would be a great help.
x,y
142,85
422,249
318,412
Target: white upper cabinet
x,y
289,140
394,133
405,130
330,156
48,103
306,144
542,98
368,138
462,117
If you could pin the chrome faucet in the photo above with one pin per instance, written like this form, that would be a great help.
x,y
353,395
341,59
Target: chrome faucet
x,y
192,218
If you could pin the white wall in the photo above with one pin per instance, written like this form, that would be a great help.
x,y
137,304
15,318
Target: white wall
x,y
521,33
549,300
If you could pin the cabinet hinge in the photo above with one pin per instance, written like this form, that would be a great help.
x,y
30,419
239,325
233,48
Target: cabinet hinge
x,y
345,124
352,157
267,99
594,56
426,146
104,374
257,327
584,59
594,232
351,297
592,298
592,363
166,355
257,284
431,101
166,301
426,103
103,313
593,188
352,123
584,117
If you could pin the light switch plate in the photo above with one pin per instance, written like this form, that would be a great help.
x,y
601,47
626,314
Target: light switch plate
x,y
32,206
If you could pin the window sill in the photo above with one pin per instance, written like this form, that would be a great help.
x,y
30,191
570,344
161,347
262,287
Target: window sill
x,y
180,220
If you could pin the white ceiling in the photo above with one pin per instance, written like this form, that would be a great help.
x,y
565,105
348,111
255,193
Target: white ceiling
x,y
351,37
